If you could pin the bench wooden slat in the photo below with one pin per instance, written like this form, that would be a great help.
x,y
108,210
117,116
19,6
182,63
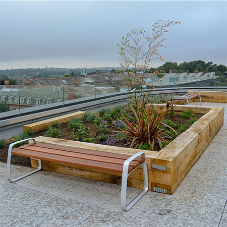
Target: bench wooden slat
x,y
72,161
80,155
84,151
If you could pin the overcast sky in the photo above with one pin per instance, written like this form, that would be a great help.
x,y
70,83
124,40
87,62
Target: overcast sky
x,y
78,34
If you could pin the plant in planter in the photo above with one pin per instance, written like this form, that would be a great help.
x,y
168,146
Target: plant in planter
x,y
55,125
73,121
119,124
53,132
148,126
113,139
80,133
2,143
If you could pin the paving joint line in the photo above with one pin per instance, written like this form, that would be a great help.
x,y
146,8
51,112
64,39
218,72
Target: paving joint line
x,y
222,213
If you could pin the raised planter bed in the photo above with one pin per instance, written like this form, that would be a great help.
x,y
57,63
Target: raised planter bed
x,y
166,168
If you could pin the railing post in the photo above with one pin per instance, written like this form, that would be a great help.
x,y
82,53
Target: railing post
x,y
95,91
19,101
63,95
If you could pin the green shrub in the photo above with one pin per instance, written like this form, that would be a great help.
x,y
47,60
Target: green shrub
x,y
193,120
114,114
102,127
86,116
53,132
165,143
103,137
92,117
186,114
4,107
73,121
144,146
172,114
97,121
168,122
120,137
25,135
107,117
104,111
54,125
88,140
76,126
80,132
118,109
2,143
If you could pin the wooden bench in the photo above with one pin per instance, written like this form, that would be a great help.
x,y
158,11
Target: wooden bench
x,y
112,162
187,97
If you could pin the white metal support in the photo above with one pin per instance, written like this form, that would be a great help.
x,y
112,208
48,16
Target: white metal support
x,y
125,175
9,162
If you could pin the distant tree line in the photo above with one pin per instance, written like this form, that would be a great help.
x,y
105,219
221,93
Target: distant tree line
x,y
191,67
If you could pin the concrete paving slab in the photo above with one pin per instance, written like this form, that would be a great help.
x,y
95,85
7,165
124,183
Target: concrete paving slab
x,y
58,212
89,191
48,182
17,203
146,209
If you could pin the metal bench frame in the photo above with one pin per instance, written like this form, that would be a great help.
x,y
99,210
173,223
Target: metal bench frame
x,y
125,174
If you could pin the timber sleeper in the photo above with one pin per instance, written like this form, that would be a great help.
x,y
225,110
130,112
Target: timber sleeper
x,y
112,162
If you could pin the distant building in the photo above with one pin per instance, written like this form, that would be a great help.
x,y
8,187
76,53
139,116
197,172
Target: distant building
x,y
84,72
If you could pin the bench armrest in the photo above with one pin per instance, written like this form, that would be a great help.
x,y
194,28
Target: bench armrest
x,y
127,162
12,144
125,175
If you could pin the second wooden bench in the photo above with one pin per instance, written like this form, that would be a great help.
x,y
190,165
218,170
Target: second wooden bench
x,y
187,97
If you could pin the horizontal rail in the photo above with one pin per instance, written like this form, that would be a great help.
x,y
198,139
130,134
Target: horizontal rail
x,y
11,120
123,95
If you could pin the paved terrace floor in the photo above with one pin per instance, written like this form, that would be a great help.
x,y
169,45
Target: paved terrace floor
x,y
51,199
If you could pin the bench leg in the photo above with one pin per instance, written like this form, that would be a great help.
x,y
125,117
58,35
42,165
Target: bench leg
x,y
125,175
9,163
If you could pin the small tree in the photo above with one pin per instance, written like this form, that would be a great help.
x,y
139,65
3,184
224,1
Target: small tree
x,y
4,107
139,48
12,82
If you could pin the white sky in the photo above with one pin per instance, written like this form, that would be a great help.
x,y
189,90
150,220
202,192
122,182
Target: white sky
x,y
77,34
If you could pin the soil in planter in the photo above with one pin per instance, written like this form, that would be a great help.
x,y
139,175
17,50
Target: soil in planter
x,y
92,131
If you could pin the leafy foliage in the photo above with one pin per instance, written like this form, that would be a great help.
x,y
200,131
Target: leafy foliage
x,y
2,143
4,107
25,135
80,133
73,121
192,67
86,116
53,132
92,117
186,114
54,125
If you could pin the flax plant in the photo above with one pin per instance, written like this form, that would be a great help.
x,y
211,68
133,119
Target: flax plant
x,y
148,127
